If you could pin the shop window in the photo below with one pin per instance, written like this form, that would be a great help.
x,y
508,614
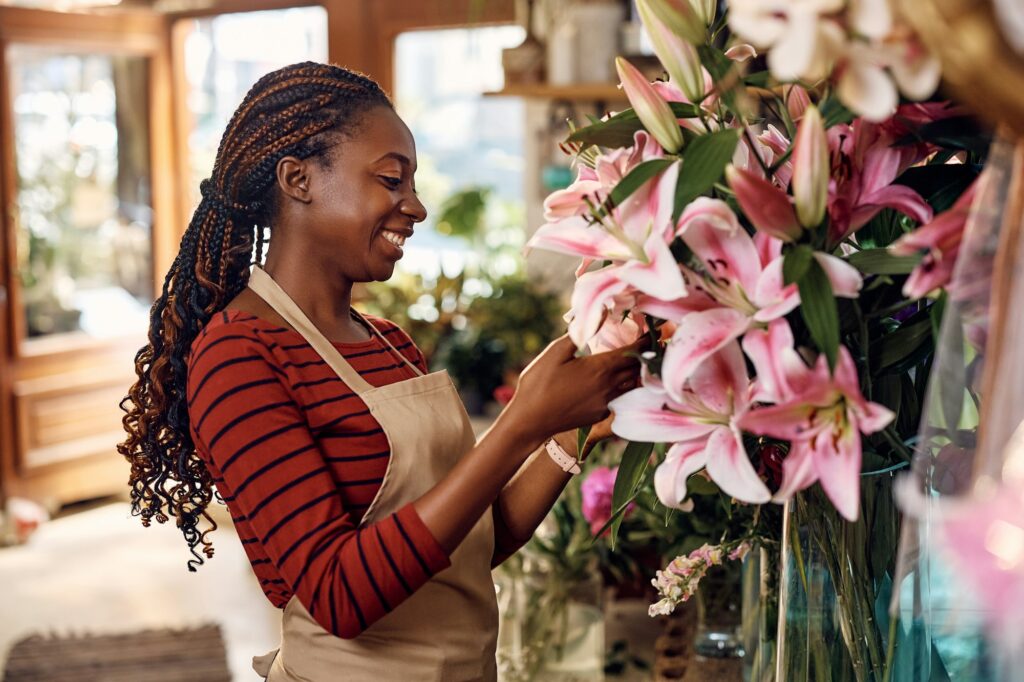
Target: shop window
x,y
83,208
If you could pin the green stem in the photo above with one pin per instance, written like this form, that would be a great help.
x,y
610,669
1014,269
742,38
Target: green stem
x,y
889,434
890,651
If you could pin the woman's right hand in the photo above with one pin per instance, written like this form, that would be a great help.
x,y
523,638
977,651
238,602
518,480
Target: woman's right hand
x,y
559,391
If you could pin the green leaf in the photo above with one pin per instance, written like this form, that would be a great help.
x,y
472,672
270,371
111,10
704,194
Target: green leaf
x,y
818,308
833,112
627,483
704,162
957,132
940,184
881,262
952,372
618,130
699,485
635,179
795,264
902,343
581,437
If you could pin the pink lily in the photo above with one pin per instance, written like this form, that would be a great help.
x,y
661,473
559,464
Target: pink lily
x,y
821,415
810,169
864,167
700,420
766,206
743,276
635,237
652,110
940,239
593,185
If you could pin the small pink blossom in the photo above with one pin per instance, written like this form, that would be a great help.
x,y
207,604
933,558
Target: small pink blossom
x,y
597,497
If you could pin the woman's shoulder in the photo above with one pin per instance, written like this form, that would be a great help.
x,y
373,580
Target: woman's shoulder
x,y
399,338
231,332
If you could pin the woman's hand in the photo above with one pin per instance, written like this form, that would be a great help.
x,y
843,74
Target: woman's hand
x,y
558,391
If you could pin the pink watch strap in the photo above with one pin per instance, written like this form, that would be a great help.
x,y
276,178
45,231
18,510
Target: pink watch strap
x,y
563,459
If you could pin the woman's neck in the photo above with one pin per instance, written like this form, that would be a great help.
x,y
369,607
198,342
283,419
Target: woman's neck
x,y
323,294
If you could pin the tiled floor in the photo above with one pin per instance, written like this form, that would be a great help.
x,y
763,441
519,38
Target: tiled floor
x,y
100,571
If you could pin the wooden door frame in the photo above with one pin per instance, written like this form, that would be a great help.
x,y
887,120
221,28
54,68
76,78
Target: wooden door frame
x,y
27,367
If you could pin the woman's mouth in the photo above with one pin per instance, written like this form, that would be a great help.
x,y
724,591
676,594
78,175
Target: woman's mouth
x,y
395,240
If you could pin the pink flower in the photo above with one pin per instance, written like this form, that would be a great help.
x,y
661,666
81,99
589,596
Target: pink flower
x,y
766,206
810,168
700,420
634,237
597,497
652,110
742,276
822,416
940,240
864,167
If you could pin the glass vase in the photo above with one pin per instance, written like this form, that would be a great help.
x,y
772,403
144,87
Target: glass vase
x,y
835,592
552,626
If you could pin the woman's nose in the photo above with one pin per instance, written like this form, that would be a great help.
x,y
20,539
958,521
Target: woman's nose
x,y
414,208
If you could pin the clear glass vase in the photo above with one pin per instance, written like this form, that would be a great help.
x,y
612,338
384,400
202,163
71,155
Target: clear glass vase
x,y
552,626
835,592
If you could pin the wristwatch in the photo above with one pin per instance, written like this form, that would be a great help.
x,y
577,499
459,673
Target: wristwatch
x,y
563,459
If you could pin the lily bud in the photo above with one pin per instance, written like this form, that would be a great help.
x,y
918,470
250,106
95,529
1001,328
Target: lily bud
x,y
677,56
682,18
810,168
705,10
653,111
766,205
797,101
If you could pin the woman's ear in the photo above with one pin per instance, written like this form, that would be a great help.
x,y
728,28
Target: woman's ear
x,y
293,178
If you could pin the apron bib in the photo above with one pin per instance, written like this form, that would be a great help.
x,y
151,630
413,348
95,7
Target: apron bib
x,y
445,631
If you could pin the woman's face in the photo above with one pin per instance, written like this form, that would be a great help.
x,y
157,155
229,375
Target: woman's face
x,y
363,201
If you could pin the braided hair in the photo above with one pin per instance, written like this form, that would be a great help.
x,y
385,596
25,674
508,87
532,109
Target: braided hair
x,y
299,111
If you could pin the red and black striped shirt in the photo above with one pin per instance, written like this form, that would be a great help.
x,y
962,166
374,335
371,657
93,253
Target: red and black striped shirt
x,y
298,458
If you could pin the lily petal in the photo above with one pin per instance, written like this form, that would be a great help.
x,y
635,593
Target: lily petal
x,y
845,279
645,415
590,298
837,463
721,381
729,467
766,205
652,110
698,336
681,460
576,237
797,472
711,230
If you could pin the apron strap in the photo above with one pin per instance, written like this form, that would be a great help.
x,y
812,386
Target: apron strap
x,y
373,330
276,297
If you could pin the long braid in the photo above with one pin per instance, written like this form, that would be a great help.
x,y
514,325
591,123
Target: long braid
x,y
286,113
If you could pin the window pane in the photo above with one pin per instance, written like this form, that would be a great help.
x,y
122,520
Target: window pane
x,y
226,54
83,190
463,140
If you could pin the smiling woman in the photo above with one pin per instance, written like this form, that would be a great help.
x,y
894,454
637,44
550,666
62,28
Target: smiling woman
x,y
367,508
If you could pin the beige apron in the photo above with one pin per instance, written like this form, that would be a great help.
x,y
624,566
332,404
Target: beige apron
x,y
446,630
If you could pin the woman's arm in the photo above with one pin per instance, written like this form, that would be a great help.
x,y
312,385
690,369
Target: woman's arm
x,y
529,496
557,392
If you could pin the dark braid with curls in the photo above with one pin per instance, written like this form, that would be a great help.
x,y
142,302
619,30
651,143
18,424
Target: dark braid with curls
x,y
296,111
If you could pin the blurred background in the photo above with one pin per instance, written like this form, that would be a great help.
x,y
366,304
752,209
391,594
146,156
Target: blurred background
x,y
110,115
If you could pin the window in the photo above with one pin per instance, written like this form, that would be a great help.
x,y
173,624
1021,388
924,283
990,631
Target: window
x,y
83,207
464,141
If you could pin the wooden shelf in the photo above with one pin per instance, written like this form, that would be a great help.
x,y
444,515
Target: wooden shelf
x,y
583,92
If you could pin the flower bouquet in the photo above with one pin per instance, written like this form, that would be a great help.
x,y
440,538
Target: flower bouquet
x,y
783,225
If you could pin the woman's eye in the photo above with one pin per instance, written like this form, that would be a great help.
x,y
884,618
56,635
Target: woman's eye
x,y
393,183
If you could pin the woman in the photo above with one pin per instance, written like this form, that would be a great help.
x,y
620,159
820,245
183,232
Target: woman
x,y
367,508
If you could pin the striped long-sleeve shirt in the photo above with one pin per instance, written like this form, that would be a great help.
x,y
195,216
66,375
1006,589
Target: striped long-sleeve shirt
x,y
298,458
